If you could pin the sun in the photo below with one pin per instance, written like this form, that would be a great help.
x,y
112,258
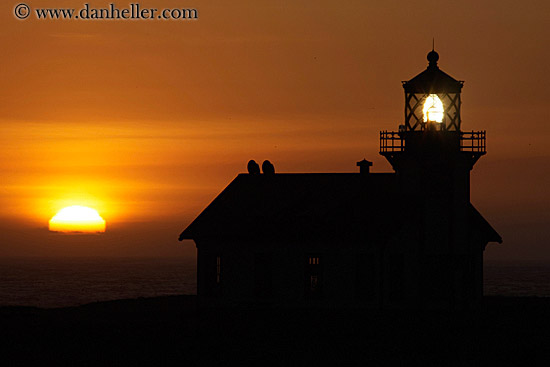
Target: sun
x,y
77,219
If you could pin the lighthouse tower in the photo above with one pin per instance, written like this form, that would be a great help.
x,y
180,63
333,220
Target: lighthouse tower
x,y
432,158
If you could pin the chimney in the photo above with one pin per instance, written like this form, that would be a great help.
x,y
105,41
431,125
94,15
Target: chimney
x,y
364,166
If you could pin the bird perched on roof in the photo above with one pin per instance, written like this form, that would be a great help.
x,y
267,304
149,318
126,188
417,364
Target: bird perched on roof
x,y
253,167
268,168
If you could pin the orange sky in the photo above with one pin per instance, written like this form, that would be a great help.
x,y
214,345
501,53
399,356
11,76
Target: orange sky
x,y
147,121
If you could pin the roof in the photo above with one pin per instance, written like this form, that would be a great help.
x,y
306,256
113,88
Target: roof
x,y
311,206
433,80
488,232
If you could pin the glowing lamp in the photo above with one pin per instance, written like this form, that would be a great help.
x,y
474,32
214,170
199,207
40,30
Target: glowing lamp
x,y
433,109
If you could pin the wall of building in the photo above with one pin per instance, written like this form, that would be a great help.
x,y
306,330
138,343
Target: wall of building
x,y
372,275
349,274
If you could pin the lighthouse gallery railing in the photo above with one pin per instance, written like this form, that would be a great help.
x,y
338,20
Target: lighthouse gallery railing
x,y
470,141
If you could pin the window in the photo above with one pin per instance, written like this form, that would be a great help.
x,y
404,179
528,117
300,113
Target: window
x,y
437,278
397,277
365,280
210,274
263,282
313,260
218,269
313,277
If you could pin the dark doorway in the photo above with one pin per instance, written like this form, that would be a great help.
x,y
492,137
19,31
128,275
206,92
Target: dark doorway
x,y
313,277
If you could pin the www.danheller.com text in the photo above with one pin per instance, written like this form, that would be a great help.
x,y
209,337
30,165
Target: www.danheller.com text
x,y
133,11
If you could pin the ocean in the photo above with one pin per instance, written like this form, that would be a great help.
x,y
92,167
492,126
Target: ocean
x,y
49,283
516,279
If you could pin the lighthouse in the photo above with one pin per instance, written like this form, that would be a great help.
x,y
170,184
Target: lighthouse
x,y
433,157
410,238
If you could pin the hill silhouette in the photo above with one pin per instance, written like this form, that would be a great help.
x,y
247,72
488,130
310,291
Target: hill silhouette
x,y
172,331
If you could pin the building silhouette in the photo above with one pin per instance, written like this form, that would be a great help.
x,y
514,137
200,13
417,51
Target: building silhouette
x,y
406,239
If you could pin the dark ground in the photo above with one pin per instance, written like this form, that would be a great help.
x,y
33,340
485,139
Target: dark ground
x,y
171,331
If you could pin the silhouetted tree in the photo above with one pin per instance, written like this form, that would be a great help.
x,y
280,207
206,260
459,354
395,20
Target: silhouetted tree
x,y
253,167
268,168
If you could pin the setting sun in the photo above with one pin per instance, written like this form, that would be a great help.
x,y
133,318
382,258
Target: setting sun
x,y
77,218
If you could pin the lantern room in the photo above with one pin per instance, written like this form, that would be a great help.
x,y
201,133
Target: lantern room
x,y
432,118
432,99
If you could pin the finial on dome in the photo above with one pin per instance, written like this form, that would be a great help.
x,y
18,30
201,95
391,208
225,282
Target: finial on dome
x,y
432,58
432,55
